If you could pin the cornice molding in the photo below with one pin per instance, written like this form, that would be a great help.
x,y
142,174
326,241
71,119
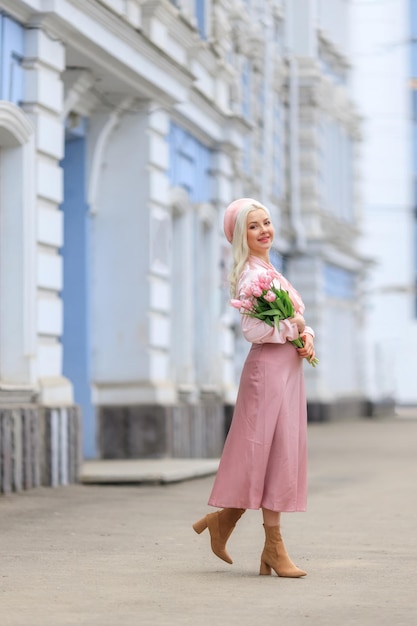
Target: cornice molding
x,y
17,9
57,25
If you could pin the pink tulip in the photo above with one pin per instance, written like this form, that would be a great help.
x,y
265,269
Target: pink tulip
x,y
247,304
236,303
270,296
264,280
256,290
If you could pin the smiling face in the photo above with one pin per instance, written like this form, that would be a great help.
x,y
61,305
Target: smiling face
x,y
260,233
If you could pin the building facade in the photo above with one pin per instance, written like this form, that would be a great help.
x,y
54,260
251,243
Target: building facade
x,y
126,128
384,71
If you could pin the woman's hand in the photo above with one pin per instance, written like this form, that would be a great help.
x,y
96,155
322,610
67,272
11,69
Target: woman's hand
x,y
307,352
300,321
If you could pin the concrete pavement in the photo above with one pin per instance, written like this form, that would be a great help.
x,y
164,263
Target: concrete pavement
x,y
127,556
145,471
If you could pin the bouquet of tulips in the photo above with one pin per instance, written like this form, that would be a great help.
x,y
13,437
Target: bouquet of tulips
x,y
266,302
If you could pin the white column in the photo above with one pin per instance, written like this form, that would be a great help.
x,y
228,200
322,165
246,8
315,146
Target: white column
x,y
227,190
17,250
159,261
183,297
207,314
43,102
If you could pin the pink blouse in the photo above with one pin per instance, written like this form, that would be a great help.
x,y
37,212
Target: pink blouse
x,y
257,331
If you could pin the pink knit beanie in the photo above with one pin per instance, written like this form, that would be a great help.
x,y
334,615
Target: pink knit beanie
x,y
231,215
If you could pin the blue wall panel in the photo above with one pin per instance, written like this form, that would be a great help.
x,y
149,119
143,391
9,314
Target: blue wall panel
x,y
76,336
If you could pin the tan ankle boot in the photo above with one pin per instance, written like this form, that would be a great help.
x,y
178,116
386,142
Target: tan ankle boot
x,y
220,525
275,556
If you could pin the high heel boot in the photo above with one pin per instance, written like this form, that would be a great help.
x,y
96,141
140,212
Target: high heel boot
x,y
220,525
275,556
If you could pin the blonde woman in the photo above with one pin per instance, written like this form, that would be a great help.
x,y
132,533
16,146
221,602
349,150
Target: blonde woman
x,y
264,460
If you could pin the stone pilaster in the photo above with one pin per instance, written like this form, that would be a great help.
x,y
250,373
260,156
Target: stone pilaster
x,y
43,103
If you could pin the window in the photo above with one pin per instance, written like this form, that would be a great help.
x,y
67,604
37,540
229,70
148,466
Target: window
x,y
414,104
200,14
246,87
336,169
338,282
414,59
190,165
278,149
11,56
247,154
194,261
413,18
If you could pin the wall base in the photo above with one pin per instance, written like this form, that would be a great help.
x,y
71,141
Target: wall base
x,y
339,409
39,446
179,431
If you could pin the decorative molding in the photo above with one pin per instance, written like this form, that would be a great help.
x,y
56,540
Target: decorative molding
x,y
18,10
327,47
221,30
179,201
101,143
77,83
15,124
207,214
256,48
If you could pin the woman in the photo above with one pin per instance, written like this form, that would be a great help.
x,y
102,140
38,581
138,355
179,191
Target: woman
x,y
264,460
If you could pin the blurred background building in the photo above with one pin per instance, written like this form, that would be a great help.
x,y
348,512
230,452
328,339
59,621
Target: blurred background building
x,y
126,127
384,57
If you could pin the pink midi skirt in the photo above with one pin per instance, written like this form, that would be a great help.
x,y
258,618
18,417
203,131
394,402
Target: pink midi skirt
x,y
264,460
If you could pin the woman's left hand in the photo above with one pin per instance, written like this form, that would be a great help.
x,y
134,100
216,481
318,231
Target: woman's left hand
x,y
307,351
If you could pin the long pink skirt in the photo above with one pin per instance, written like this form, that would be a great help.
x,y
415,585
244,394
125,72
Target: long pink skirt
x,y
264,460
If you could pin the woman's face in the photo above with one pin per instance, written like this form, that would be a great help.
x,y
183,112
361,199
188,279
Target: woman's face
x,y
259,232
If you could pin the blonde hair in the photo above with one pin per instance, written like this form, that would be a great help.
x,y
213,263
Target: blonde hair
x,y
240,248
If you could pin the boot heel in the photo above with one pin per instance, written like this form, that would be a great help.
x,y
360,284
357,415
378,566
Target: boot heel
x,y
200,525
265,569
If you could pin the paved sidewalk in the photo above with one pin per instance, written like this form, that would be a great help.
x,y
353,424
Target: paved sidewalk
x,y
92,555
145,471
